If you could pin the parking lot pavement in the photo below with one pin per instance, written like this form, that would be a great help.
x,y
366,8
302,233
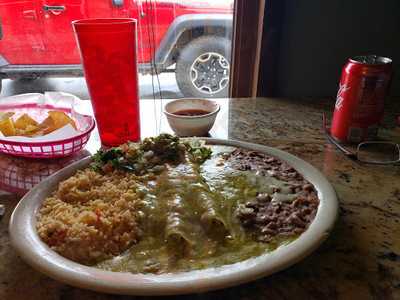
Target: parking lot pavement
x,y
77,86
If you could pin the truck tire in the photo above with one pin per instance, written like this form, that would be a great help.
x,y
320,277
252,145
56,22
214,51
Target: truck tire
x,y
202,68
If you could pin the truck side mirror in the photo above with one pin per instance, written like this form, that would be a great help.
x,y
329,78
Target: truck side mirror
x,y
118,3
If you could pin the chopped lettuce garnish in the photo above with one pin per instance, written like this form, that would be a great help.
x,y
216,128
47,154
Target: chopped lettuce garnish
x,y
145,156
197,151
167,147
112,156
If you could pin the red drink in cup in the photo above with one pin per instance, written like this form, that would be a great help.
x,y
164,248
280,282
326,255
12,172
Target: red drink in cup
x,y
108,54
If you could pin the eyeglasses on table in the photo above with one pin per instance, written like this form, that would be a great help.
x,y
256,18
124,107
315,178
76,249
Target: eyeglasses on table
x,y
371,152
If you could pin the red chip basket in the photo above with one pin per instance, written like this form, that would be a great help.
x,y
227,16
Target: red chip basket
x,y
53,148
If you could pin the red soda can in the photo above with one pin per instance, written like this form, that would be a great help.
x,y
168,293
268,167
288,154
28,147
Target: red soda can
x,y
360,99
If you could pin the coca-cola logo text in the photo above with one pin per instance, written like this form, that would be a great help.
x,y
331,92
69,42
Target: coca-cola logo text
x,y
339,98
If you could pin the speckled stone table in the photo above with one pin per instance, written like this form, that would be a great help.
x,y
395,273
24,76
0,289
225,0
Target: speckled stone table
x,y
360,260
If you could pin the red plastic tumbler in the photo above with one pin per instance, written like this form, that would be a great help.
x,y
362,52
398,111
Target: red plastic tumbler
x,y
109,58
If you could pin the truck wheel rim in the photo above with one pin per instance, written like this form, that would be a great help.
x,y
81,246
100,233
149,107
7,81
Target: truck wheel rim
x,y
209,73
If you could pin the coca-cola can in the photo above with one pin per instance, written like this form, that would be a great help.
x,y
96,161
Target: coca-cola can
x,y
360,100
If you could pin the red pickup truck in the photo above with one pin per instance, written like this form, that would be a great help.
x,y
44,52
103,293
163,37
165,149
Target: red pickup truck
x,y
190,37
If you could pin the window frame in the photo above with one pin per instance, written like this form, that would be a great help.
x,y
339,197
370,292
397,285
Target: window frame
x,y
246,47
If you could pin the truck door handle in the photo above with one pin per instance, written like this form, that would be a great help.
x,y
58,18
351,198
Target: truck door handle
x,y
140,6
53,7
29,14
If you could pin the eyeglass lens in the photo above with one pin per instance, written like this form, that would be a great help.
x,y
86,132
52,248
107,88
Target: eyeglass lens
x,y
378,152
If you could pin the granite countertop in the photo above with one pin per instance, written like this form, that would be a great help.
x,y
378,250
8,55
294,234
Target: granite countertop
x,y
360,259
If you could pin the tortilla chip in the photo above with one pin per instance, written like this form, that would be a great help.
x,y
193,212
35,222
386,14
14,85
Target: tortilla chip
x,y
24,121
61,119
6,115
27,126
47,126
7,127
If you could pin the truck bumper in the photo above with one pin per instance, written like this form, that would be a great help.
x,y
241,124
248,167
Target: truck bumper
x,y
40,70
15,71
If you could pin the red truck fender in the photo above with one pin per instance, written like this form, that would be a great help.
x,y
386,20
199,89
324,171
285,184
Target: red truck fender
x,y
164,53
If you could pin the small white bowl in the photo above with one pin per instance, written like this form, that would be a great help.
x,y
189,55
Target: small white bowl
x,y
198,125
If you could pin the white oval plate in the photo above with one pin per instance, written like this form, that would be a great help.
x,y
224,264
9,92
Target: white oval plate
x,y
36,253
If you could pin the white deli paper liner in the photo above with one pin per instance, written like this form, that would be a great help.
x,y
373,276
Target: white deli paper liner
x,y
58,100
